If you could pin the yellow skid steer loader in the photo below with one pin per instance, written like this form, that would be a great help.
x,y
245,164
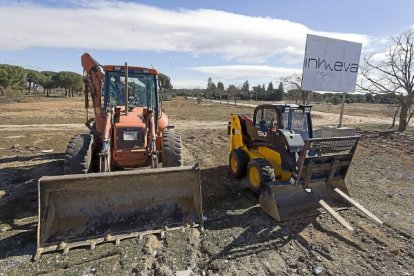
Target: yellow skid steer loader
x,y
294,173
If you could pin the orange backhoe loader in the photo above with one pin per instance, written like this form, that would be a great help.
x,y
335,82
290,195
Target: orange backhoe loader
x,y
102,197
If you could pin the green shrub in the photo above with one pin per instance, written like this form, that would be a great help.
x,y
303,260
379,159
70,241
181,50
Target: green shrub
x,y
335,100
12,95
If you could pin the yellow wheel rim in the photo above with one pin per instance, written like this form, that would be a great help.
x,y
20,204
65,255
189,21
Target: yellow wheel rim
x,y
254,177
233,163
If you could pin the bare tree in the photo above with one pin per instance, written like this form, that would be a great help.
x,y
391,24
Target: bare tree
x,y
395,117
294,82
393,75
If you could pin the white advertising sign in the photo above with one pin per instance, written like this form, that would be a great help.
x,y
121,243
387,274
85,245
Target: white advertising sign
x,y
330,64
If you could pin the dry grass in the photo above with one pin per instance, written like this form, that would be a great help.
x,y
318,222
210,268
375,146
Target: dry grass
x,y
180,109
43,110
358,109
355,109
12,95
62,110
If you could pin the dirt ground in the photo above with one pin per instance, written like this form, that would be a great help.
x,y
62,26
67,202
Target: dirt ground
x,y
240,239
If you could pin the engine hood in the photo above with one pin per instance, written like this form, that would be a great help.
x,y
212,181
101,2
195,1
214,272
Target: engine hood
x,y
134,118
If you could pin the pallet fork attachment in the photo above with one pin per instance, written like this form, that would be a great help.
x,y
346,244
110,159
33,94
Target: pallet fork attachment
x,y
319,182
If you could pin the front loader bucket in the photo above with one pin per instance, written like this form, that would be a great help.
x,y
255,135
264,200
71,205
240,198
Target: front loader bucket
x,y
289,201
83,210
321,171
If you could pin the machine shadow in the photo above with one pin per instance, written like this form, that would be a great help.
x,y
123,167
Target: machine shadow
x,y
229,204
31,157
18,205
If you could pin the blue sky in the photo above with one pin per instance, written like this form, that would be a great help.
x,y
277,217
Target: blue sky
x,y
191,40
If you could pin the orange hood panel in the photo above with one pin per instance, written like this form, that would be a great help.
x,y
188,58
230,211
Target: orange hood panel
x,y
134,118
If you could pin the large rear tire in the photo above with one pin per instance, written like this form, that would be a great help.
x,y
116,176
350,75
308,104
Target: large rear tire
x,y
238,160
171,149
259,172
79,154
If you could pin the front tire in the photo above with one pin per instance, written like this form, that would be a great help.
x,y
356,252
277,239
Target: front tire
x,y
78,155
259,172
171,149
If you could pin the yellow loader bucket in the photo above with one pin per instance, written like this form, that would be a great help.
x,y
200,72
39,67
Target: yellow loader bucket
x,y
319,181
87,209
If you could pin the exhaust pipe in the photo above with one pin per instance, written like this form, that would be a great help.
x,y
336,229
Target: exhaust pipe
x,y
126,88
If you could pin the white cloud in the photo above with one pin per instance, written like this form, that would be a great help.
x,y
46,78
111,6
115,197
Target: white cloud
x,y
245,72
193,83
237,75
123,25
379,57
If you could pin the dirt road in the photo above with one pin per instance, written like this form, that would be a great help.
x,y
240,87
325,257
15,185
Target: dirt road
x,y
240,239
62,127
324,118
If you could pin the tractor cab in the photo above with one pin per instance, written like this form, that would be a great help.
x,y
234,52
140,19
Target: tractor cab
x,y
132,94
142,87
296,118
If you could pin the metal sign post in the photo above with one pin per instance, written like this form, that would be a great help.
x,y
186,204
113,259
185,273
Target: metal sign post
x,y
342,110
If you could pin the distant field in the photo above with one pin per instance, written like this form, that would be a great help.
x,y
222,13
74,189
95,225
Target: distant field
x,y
355,109
61,110
43,110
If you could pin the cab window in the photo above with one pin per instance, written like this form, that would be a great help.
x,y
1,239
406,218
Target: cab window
x,y
270,117
141,89
258,116
266,118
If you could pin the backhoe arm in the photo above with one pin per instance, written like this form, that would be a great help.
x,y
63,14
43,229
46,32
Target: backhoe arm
x,y
94,77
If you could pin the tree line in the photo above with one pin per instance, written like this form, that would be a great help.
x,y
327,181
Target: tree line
x,y
18,78
243,92
269,93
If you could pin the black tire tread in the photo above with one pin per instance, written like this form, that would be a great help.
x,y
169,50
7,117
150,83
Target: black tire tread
x,y
171,149
78,155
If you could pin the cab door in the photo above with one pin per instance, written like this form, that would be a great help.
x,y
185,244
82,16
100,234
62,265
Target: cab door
x,y
266,118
